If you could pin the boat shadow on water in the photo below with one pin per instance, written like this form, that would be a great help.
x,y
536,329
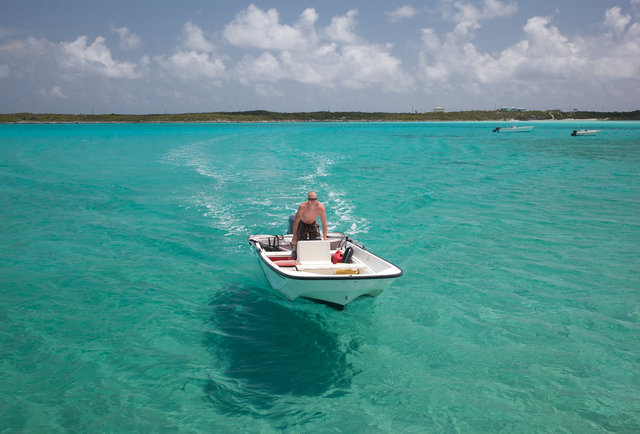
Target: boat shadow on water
x,y
267,354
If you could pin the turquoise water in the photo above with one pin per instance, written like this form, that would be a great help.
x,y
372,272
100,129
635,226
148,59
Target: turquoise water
x,y
131,301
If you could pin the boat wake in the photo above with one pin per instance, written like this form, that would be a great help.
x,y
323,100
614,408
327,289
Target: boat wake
x,y
211,196
340,211
222,216
210,200
347,221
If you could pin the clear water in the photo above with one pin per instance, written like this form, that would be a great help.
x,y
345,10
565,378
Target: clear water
x,y
131,301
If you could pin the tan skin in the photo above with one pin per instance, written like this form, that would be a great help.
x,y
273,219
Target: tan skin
x,y
308,212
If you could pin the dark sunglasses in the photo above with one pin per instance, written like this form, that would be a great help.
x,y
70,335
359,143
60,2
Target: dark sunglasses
x,y
312,198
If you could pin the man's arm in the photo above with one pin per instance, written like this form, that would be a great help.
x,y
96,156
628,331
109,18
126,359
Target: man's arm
x,y
323,219
295,228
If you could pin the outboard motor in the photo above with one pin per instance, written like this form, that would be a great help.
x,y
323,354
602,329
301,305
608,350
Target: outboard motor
x,y
292,218
348,254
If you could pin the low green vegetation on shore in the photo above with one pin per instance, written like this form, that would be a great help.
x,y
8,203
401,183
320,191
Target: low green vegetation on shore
x,y
267,116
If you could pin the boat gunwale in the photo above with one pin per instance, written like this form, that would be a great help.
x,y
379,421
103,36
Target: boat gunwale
x,y
262,254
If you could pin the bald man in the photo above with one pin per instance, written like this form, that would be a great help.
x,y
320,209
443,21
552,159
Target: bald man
x,y
305,226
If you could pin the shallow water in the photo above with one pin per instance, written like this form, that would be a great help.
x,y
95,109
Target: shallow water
x,y
130,299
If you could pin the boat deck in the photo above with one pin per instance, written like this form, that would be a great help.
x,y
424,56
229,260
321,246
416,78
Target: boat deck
x,y
315,262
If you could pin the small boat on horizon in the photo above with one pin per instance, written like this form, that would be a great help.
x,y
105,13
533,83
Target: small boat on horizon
x,y
334,271
513,129
577,132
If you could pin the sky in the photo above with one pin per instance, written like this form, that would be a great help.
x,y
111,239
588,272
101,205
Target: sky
x,y
144,56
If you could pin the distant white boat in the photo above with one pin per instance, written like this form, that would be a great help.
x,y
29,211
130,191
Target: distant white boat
x,y
584,132
513,129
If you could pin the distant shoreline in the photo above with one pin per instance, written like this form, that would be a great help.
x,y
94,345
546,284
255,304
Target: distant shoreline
x,y
262,116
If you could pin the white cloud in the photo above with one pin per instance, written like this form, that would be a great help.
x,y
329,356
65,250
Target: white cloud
x,y
544,53
258,51
333,57
342,29
194,38
617,55
614,19
402,13
549,53
255,28
192,65
195,59
128,39
495,9
264,68
366,65
468,17
544,62
95,58
430,40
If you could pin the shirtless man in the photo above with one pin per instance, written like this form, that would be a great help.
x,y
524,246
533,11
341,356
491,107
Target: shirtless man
x,y
305,226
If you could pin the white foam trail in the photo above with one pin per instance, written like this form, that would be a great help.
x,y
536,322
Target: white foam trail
x,y
192,156
221,215
228,220
321,170
344,211
336,202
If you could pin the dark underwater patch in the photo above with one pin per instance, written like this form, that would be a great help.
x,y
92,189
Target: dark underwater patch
x,y
270,352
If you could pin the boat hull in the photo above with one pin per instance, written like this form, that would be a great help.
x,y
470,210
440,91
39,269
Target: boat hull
x,y
586,133
337,289
515,130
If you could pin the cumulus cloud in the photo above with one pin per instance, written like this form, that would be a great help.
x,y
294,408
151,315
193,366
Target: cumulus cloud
x,y
468,17
257,50
265,68
342,29
255,28
328,57
544,59
614,19
128,39
544,53
195,59
95,58
615,55
194,38
192,65
367,65
402,13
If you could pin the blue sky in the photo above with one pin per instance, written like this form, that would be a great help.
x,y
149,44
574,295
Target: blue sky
x,y
353,55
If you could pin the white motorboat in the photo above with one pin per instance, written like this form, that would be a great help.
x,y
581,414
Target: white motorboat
x,y
513,129
584,132
314,275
